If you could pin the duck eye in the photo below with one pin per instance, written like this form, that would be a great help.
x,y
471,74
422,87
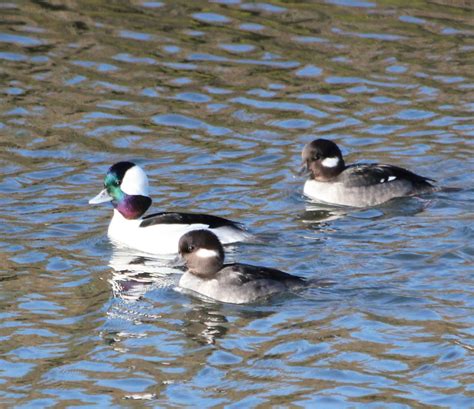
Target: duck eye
x,y
316,156
191,248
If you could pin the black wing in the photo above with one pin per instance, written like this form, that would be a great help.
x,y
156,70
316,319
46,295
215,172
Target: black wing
x,y
247,272
188,218
368,174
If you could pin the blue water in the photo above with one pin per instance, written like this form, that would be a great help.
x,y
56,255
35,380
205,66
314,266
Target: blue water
x,y
216,100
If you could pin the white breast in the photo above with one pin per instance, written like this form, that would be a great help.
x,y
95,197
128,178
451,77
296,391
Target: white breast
x,y
325,192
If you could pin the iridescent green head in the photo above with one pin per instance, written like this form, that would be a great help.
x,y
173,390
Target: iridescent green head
x,y
126,186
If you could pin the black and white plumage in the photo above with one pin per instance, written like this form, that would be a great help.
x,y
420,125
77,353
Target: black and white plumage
x,y
359,185
231,283
213,222
126,186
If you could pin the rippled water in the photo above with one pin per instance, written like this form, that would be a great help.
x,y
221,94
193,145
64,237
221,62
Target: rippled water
x,y
216,99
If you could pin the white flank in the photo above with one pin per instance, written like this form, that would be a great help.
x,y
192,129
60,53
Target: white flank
x,y
382,180
135,182
390,178
330,162
206,253
161,239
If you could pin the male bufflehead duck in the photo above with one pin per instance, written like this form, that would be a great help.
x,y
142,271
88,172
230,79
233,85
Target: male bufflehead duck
x,y
126,186
231,283
357,185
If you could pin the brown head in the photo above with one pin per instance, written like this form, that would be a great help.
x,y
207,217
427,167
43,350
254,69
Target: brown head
x,y
323,159
202,252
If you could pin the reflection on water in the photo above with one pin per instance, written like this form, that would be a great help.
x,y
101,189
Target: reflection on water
x,y
134,274
217,100
204,324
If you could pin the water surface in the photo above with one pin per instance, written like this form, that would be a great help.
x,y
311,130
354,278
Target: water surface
x,y
216,100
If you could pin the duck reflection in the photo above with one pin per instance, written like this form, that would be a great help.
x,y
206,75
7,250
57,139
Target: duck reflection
x,y
318,215
135,274
206,322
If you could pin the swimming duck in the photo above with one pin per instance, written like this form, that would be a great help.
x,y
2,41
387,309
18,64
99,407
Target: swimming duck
x,y
230,283
126,186
359,185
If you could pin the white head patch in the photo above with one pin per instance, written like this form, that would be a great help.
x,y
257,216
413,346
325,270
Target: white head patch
x,y
135,182
206,253
330,162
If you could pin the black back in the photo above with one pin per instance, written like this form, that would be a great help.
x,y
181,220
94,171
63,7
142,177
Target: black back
x,y
248,272
188,218
368,174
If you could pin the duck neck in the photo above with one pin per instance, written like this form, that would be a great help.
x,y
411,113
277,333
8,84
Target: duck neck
x,y
132,206
205,269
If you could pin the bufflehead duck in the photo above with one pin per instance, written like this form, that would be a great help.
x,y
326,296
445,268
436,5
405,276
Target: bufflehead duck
x,y
231,283
357,185
126,186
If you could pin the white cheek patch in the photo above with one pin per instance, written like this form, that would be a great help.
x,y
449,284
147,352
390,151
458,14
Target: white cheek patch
x,y
206,253
135,182
330,162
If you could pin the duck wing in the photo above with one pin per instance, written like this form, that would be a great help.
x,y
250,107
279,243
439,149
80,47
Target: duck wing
x,y
188,218
244,273
369,174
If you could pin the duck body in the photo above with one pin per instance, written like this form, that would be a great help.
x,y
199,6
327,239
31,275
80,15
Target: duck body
x,y
241,283
357,185
160,233
229,283
365,185
126,186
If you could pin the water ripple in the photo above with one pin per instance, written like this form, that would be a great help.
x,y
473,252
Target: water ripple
x,y
215,100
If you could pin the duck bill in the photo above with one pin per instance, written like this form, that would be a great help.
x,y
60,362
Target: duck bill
x,y
304,170
178,261
102,197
